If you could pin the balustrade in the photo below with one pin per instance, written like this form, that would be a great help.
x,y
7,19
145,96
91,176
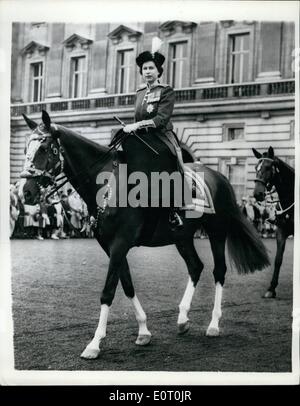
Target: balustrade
x,y
215,92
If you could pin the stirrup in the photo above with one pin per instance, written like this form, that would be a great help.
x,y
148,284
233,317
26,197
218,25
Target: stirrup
x,y
175,220
189,206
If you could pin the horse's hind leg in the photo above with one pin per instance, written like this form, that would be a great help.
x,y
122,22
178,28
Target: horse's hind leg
x,y
281,241
189,254
217,242
144,335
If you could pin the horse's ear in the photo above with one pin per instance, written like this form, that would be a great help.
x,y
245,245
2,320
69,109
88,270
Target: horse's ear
x,y
31,124
46,119
271,152
257,154
52,128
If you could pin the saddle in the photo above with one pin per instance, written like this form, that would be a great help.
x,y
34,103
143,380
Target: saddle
x,y
201,198
202,201
201,195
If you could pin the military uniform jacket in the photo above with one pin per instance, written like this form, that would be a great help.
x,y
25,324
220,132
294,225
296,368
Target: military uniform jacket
x,y
154,108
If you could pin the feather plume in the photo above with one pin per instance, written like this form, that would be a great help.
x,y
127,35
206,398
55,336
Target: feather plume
x,y
156,44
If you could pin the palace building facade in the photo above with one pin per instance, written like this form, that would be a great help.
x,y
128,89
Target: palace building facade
x,y
234,85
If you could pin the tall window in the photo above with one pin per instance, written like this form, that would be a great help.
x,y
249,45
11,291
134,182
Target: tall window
x,y
237,178
36,81
78,76
178,64
239,58
125,71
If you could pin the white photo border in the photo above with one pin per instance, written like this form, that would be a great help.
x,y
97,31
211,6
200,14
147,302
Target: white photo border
x,y
78,11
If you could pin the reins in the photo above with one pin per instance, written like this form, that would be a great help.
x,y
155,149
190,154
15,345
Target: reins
x,y
266,184
113,146
282,211
260,180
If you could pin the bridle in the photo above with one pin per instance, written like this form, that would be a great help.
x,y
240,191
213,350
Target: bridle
x,y
30,171
270,187
53,176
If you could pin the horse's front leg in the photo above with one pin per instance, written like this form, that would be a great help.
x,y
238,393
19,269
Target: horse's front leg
x,y
92,350
281,242
118,254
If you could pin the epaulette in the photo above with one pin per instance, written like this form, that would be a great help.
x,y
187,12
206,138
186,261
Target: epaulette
x,y
162,85
142,87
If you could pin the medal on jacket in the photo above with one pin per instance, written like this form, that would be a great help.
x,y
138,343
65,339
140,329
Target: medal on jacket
x,y
150,108
145,99
154,96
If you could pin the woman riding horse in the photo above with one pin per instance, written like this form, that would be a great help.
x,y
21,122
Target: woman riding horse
x,y
153,110
53,149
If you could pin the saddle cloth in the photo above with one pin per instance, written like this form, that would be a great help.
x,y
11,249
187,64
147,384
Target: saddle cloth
x,y
201,196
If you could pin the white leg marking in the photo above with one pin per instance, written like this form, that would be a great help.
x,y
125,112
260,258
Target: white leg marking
x,y
185,303
144,335
92,350
213,328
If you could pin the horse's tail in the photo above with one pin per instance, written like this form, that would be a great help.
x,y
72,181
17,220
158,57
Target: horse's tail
x,y
245,248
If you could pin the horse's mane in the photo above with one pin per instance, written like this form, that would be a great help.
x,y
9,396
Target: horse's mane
x,y
285,165
84,159
281,162
69,136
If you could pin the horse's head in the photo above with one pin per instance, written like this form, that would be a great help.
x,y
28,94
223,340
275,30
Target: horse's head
x,y
266,171
43,161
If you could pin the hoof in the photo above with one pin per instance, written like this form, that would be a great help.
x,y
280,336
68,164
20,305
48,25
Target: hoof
x,y
269,294
183,328
90,353
212,332
143,339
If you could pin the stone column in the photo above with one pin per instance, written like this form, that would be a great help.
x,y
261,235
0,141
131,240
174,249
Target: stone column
x,y
205,53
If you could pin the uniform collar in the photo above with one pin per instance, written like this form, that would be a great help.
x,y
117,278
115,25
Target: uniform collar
x,y
149,87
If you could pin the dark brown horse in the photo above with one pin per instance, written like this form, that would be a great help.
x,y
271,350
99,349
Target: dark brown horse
x,y
272,171
53,149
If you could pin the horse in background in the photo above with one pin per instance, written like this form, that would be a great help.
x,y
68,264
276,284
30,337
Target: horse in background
x,y
53,149
272,171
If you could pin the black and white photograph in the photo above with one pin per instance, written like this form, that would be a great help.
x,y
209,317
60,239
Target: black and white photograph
x,y
149,193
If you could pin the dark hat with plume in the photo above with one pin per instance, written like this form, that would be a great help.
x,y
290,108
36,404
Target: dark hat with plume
x,y
153,56
148,56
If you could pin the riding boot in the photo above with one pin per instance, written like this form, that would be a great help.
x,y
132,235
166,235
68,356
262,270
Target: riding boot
x,y
175,220
187,197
